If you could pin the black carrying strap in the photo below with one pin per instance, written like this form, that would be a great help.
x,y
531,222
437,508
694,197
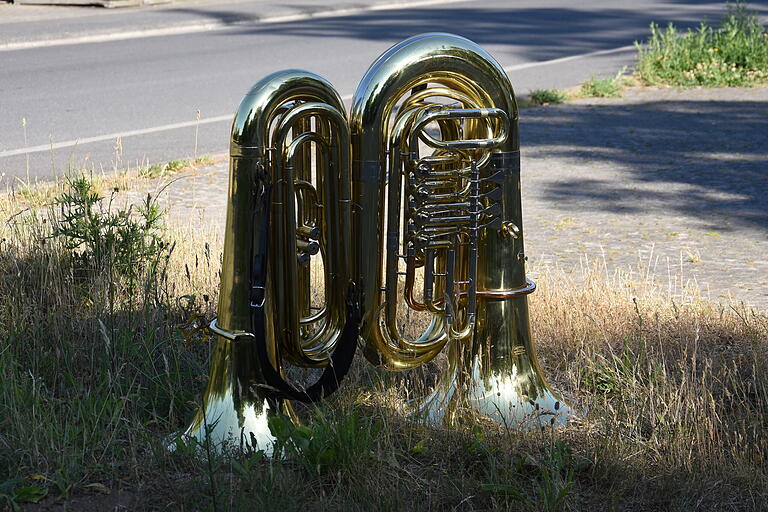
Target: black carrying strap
x,y
344,352
329,381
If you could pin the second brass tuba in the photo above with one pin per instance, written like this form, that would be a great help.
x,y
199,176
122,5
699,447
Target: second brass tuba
x,y
454,216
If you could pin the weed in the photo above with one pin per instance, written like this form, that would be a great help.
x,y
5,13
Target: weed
x,y
177,165
324,445
609,87
160,170
152,171
99,235
37,194
609,376
556,477
173,166
17,491
550,480
734,53
548,96
204,160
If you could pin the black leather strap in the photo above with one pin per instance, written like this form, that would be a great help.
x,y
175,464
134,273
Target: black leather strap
x,y
329,381
344,352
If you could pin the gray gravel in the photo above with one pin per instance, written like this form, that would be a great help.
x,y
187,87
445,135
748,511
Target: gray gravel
x,y
670,184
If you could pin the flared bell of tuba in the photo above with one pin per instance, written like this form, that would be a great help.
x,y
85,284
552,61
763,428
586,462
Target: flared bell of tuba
x,y
434,130
288,205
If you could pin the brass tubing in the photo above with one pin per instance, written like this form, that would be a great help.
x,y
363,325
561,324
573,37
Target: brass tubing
x,y
482,113
500,353
309,246
304,215
529,288
441,92
308,232
388,325
387,80
314,350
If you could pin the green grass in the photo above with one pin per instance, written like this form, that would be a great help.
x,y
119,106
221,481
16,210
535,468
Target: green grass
x,y
159,170
100,368
548,96
732,53
608,87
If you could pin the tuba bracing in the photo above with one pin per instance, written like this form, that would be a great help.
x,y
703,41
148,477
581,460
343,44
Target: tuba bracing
x,y
337,230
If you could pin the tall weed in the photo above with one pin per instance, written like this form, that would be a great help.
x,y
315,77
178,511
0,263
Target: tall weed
x,y
734,53
99,234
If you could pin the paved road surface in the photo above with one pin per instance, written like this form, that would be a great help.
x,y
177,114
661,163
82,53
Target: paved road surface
x,y
164,64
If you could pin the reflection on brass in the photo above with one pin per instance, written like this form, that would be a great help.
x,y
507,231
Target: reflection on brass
x,y
411,205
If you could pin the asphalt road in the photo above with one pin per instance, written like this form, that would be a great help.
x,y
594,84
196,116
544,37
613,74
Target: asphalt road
x,y
77,96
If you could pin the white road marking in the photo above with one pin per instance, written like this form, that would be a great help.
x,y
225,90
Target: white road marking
x,y
218,119
113,136
518,67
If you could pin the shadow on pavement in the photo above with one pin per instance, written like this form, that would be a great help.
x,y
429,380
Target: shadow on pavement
x,y
547,32
702,159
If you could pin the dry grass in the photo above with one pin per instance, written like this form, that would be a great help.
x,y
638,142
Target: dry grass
x,y
672,394
37,194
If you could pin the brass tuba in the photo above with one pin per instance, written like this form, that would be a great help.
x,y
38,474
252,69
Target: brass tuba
x,y
423,217
462,226
283,210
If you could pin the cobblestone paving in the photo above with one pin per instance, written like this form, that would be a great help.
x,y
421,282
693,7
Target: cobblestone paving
x,y
671,184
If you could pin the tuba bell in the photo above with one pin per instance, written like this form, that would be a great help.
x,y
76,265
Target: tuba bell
x,y
412,207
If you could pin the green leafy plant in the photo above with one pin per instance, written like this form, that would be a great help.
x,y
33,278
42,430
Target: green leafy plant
x,y
160,170
177,165
548,96
324,445
609,376
152,171
556,475
174,166
734,53
100,235
609,87
551,480
16,491
204,160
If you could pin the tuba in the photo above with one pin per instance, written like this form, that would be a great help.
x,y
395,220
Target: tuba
x,y
288,202
410,208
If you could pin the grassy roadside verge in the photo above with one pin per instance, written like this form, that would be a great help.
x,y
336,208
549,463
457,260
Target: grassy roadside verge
x,y
731,53
100,363
40,193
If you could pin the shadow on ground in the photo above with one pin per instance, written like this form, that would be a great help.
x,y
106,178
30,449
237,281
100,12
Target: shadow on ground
x,y
702,159
545,32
